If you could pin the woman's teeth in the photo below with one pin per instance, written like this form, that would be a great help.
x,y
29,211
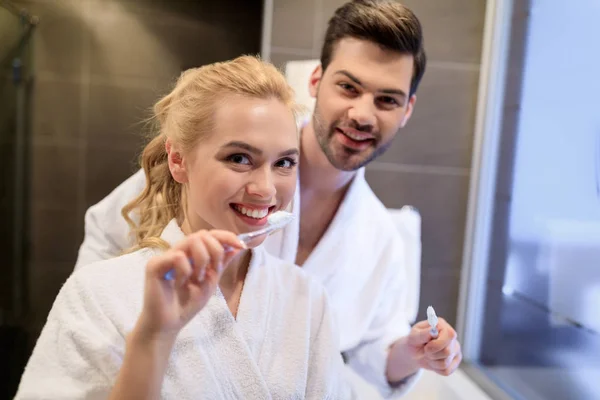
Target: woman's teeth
x,y
258,214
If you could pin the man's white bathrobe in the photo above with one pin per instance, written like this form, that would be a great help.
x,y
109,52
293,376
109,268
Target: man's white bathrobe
x,y
359,260
282,346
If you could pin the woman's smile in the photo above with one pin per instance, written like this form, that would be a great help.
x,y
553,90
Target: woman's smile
x,y
253,215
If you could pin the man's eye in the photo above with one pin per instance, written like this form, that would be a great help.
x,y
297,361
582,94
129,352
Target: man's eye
x,y
347,87
389,100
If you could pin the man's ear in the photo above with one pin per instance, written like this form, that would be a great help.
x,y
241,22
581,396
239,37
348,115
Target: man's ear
x,y
315,79
409,110
176,163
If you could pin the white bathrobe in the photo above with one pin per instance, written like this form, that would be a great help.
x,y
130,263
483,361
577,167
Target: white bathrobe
x,y
283,344
359,260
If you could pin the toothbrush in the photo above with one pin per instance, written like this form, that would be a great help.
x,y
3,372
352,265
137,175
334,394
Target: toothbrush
x,y
433,321
275,221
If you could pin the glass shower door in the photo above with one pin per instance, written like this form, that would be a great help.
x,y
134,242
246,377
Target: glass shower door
x,y
530,292
16,29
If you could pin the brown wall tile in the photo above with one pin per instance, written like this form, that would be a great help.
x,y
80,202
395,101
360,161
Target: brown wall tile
x,y
55,175
105,170
441,200
293,24
453,29
155,41
57,111
439,289
59,38
440,131
55,234
119,113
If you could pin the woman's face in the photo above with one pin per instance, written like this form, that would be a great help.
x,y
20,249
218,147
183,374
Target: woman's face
x,y
244,170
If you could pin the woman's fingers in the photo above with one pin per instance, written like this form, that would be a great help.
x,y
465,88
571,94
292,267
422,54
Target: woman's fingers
x,y
217,254
231,243
174,261
198,254
229,239
205,251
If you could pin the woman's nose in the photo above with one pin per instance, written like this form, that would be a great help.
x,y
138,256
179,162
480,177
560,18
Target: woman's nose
x,y
262,184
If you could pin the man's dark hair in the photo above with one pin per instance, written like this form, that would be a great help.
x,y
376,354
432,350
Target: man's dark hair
x,y
385,22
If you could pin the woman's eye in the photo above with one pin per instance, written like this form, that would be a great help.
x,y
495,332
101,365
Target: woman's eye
x,y
239,159
286,163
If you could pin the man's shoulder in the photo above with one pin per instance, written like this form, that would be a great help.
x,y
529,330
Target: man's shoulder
x,y
371,211
125,192
117,272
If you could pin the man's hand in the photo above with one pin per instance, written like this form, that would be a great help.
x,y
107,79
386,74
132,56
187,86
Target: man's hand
x,y
441,355
420,350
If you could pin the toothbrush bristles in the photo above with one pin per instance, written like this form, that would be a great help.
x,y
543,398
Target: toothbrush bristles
x,y
280,217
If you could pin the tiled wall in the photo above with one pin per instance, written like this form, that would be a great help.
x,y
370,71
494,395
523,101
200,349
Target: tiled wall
x,y
429,164
10,34
99,66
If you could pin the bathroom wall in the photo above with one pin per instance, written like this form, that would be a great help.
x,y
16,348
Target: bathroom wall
x,y
429,164
99,66
10,33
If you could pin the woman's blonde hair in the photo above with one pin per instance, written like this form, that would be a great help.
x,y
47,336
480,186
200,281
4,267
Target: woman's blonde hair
x,y
185,116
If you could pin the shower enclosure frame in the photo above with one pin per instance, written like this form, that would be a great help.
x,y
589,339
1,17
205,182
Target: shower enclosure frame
x,y
21,77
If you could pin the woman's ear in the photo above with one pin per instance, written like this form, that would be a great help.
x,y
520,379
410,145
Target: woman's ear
x,y
176,163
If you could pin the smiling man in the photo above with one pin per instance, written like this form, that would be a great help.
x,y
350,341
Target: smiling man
x,y
360,133
365,88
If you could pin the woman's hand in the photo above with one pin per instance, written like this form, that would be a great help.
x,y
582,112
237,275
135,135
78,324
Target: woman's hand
x,y
197,262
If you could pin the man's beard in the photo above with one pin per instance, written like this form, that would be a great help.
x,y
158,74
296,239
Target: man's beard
x,y
348,160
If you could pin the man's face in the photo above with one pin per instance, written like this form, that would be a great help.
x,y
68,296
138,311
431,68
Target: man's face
x,y
362,100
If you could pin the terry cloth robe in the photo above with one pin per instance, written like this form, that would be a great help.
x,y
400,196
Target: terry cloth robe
x,y
283,344
360,260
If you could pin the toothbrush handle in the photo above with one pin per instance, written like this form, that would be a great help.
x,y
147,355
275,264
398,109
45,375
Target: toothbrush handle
x,y
434,332
246,237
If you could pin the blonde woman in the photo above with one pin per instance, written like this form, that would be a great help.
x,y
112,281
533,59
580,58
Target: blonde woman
x,y
233,324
